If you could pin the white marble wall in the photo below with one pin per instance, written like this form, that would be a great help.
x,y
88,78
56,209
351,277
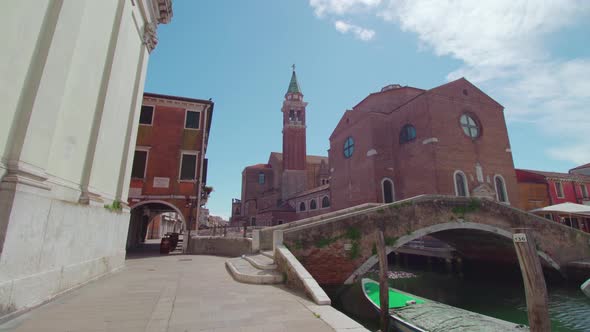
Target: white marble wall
x,y
71,77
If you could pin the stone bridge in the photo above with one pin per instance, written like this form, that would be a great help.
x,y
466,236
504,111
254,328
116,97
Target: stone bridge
x,y
337,250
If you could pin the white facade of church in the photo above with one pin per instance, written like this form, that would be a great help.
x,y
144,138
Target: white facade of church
x,y
72,74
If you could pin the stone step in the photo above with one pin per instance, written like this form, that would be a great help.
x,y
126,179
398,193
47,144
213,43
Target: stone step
x,y
261,262
269,254
242,271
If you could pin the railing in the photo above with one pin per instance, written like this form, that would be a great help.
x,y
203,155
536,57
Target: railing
x,y
229,231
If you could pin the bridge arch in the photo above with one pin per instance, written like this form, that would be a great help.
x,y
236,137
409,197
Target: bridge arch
x,y
465,225
142,214
333,250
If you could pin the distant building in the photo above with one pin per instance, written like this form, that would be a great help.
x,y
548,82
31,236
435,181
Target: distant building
x,y
396,143
169,165
539,188
582,169
72,77
161,224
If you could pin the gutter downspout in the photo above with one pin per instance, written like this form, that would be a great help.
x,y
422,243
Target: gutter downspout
x,y
200,179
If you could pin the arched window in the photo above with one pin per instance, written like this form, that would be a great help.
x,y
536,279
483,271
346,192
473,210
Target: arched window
x,y
302,206
461,188
501,194
348,147
325,202
387,189
261,178
469,125
313,205
407,134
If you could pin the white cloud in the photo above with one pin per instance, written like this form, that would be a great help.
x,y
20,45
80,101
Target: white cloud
x,y
359,32
577,154
341,7
501,45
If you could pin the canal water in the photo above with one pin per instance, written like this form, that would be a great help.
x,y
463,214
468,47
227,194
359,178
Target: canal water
x,y
490,289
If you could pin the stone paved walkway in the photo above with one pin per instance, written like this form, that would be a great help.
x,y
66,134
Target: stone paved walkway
x,y
172,293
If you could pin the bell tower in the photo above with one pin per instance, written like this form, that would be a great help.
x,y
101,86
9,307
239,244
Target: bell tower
x,y
294,149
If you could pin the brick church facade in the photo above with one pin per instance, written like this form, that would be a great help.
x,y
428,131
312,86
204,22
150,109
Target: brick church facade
x,y
397,143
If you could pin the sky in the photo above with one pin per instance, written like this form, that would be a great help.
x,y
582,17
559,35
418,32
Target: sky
x,y
533,57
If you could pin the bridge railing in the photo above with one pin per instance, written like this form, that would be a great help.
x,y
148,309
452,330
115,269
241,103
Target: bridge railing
x,y
230,231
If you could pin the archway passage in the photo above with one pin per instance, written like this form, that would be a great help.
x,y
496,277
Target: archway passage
x,y
335,250
143,237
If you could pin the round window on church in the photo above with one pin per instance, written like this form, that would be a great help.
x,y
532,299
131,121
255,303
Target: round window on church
x,y
348,147
469,125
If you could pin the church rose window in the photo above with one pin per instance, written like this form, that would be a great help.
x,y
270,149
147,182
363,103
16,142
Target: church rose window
x,y
407,134
348,147
469,125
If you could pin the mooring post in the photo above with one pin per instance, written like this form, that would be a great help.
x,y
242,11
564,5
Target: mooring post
x,y
534,281
224,230
245,227
383,284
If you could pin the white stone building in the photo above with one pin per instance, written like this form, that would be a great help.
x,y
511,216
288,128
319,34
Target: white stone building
x,y
72,74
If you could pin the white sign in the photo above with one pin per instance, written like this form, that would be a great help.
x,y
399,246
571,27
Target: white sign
x,y
134,192
347,246
519,237
161,182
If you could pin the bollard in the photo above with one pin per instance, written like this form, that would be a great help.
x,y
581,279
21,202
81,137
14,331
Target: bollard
x,y
224,230
383,283
534,281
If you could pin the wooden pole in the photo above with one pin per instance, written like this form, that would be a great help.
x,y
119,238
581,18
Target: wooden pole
x,y
383,284
534,281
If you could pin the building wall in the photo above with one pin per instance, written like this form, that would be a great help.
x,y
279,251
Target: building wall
x,y
425,165
165,140
533,195
76,69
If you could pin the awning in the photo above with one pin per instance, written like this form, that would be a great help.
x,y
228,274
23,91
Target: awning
x,y
569,208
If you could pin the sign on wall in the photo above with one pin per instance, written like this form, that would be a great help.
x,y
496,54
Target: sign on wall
x,y
161,182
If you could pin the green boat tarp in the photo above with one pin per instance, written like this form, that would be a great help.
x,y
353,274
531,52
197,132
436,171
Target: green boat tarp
x,y
434,316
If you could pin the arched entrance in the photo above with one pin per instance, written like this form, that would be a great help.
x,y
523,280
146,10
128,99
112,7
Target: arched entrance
x,y
142,214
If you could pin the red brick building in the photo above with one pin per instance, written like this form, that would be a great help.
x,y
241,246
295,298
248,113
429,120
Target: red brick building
x,y
403,141
395,144
169,166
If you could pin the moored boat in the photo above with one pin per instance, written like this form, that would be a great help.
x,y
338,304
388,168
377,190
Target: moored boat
x,y
410,313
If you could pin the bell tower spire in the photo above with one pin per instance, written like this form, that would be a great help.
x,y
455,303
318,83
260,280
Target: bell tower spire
x,y
294,140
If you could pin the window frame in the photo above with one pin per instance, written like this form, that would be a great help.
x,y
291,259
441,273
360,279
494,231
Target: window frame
x,y
192,153
313,200
560,189
186,116
145,149
153,113
467,194
475,119
350,147
304,206
505,191
403,137
584,190
322,203
383,190
263,178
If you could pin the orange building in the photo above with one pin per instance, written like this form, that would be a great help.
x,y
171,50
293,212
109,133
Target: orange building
x,y
169,170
